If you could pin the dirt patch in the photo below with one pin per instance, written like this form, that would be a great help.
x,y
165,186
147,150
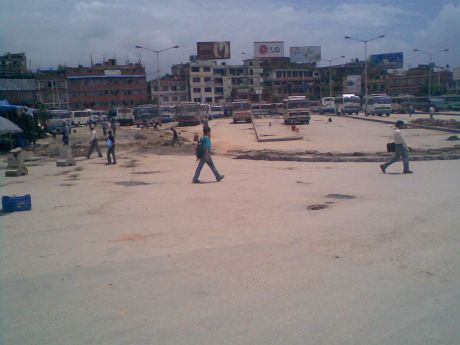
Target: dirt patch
x,y
73,177
340,196
147,172
131,164
135,237
79,169
317,207
67,184
301,182
132,183
438,123
63,173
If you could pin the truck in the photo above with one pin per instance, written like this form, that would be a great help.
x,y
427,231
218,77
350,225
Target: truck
x,y
242,111
124,116
296,110
146,115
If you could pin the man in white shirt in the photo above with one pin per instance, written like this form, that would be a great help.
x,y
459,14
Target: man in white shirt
x,y
401,150
93,143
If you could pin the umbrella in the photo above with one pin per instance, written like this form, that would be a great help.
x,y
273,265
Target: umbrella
x,y
8,127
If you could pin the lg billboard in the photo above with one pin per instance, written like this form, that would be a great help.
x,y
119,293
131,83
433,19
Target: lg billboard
x,y
269,49
213,50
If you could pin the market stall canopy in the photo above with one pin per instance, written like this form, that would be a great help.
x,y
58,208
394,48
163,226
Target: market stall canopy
x,y
8,127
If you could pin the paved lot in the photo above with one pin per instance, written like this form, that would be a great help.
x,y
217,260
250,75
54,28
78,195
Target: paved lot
x,y
136,254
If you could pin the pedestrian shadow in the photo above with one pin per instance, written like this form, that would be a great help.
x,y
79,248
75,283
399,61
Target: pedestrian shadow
x,y
207,182
394,173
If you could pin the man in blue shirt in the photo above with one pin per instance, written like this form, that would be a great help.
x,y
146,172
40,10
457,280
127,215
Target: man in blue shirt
x,y
206,157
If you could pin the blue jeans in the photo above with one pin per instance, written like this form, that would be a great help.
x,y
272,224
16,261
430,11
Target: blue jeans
x,y
200,166
400,151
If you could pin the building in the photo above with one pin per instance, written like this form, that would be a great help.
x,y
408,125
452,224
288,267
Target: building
x,y
454,85
19,91
107,85
173,87
13,64
52,91
201,74
230,82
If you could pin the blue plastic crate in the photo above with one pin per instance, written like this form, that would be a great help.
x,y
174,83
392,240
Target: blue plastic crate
x,y
16,203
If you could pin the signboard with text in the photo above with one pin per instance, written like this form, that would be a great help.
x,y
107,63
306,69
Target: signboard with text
x,y
307,54
269,49
213,50
387,61
353,84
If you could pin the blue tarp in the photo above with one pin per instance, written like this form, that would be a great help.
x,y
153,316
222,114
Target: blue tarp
x,y
5,106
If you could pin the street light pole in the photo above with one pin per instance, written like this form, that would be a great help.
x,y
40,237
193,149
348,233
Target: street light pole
x,y
430,54
330,77
157,52
365,61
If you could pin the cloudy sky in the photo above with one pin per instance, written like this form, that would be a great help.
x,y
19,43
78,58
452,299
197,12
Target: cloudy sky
x,y
53,32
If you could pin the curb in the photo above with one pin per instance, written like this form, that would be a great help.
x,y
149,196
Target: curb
x,y
260,140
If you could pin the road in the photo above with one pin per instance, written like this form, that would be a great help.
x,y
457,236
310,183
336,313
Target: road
x,y
137,254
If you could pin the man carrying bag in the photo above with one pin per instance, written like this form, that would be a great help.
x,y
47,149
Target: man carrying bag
x,y
400,149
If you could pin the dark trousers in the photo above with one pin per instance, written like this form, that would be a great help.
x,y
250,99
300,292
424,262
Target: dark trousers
x,y
400,152
211,165
94,146
175,140
111,153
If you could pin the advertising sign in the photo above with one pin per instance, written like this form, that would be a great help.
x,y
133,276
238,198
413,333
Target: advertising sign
x,y
213,50
305,54
388,61
268,49
353,84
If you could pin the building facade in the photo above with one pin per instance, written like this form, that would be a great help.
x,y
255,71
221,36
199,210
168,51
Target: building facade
x,y
19,91
173,87
107,85
13,64
52,90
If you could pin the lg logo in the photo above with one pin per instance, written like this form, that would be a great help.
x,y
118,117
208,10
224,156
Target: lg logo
x,y
264,49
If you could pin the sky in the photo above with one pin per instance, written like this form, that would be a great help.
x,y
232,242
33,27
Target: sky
x,y
68,32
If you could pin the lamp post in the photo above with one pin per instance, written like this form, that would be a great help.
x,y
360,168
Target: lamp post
x,y
430,54
158,71
365,61
258,91
330,78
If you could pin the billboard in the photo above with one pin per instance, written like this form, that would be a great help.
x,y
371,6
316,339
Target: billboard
x,y
213,50
306,54
353,84
387,61
269,49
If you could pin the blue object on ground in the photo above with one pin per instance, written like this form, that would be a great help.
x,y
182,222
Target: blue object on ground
x,y
16,203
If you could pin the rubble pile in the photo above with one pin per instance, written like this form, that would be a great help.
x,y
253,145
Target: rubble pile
x,y
451,123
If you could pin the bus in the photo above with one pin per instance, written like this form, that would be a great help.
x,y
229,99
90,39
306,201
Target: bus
x,y
81,117
377,104
217,112
205,111
276,109
327,105
451,102
189,113
260,109
98,116
56,119
167,113
347,104
242,111
146,115
296,110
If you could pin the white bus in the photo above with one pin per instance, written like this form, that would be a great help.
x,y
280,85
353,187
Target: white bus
x,y
242,111
217,112
327,105
56,119
347,104
124,116
189,113
81,117
377,104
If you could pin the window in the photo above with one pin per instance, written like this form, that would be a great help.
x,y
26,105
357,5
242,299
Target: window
x,y
196,89
206,69
207,79
278,74
197,99
165,99
208,89
208,100
195,69
196,80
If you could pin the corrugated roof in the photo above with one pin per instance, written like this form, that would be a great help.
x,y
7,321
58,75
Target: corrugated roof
x,y
17,85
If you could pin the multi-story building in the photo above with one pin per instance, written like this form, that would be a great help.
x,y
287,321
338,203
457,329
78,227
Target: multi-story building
x,y
13,64
19,91
201,74
173,88
52,92
230,82
107,85
454,85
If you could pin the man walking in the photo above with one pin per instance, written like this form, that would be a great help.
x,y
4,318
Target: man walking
x,y
175,137
204,156
113,125
401,150
93,143
65,134
111,149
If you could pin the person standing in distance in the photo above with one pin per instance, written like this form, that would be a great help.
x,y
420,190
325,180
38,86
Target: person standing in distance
x,y
401,150
111,149
93,144
65,134
206,157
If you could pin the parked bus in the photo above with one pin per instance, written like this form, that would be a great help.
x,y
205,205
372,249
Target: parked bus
x,y
205,111
98,116
124,116
347,104
377,104
81,117
167,113
327,105
56,119
451,102
260,109
296,110
242,111
146,115
217,112
276,109
188,113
